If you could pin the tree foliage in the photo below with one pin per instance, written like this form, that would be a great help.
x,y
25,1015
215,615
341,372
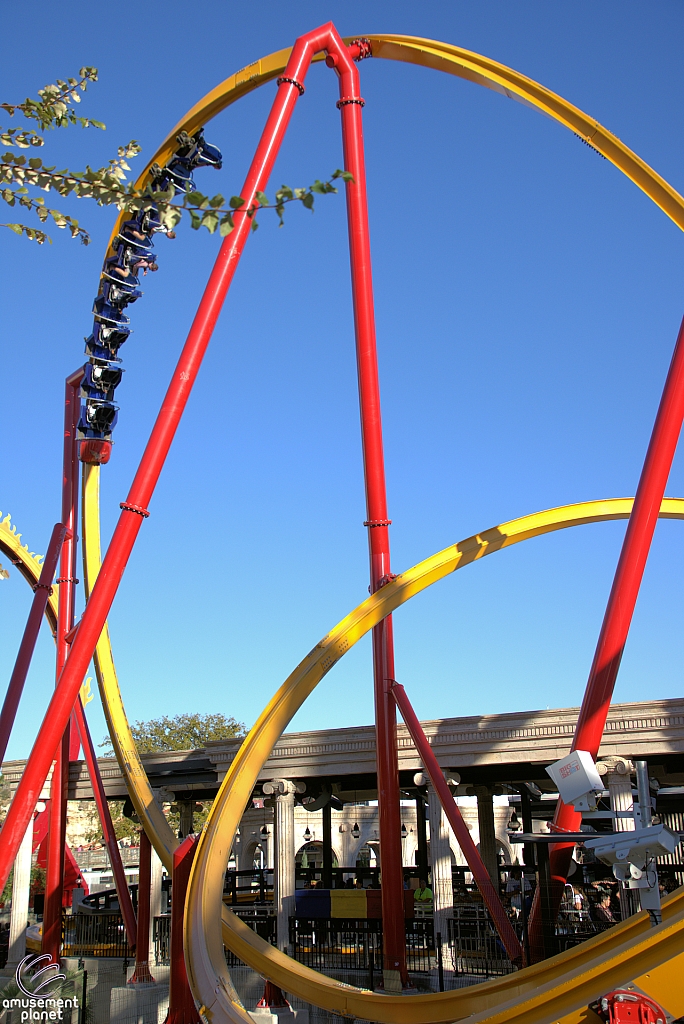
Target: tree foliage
x,y
107,185
182,732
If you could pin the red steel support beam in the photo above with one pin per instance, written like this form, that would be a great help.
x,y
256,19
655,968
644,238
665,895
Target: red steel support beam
x,y
623,596
54,877
141,975
470,852
166,424
42,591
182,1008
108,833
395,974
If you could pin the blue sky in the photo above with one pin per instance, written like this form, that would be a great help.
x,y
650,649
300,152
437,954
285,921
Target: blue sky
x,y
528,297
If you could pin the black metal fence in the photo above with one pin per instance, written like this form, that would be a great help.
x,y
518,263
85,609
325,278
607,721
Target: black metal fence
x,y
263,924
94,935
356,944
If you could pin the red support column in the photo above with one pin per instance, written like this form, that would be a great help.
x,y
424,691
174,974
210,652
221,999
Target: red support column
x,y
54,879
42,591
108,833
621,603
182,1008
481,875
395,974
141,975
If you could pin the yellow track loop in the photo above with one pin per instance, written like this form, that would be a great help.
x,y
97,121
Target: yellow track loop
x,y
148,810
28,564
206,932
207,964
454,60
542,992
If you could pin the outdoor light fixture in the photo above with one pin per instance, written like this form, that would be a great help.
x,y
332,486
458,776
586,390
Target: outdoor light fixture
x,y
404,833
356,831
307,833
514,824
343,828
263,832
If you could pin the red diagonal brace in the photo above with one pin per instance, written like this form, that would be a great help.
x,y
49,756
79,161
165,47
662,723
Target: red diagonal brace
x,y
481,875
41,597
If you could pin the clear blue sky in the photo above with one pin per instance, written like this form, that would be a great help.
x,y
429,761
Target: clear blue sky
x,y
528,299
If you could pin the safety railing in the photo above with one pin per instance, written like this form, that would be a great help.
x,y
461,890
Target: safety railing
x,y
94,935
356,944
263,924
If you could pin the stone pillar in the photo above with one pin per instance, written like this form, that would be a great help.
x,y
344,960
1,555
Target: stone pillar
x,y
186,809
283,792
616,772
487,829
440,858
156,875
21,887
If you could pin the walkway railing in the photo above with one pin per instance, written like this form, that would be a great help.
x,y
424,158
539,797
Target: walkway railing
x,y
94,935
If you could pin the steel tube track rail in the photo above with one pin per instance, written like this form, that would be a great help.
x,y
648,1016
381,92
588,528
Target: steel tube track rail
x,y
478,69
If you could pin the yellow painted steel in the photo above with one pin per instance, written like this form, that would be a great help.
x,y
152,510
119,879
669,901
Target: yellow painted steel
x,y
453,60
206,931
148,810
531,994
28,564
557,989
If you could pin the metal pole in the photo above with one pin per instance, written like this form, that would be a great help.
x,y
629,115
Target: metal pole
x,y
490,895
42,591
440,962
108,833
59,789
134,509
395,973
623,595
141,974
422,838
644,791
327,846
182,1008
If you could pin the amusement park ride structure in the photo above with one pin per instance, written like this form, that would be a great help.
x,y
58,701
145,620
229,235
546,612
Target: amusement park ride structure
x,y
647,961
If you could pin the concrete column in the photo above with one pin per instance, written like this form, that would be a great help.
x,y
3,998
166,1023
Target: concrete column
x,y
616,772
156,875
440,858
283,792
487,829
21,887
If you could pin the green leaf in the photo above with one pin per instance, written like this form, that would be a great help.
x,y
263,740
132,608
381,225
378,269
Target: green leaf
x,y
226,225
210,221
16,228
255,223
308,201
284,193
216,201
261,198
35,162
197,199
236,202
195,220
344,175
319,187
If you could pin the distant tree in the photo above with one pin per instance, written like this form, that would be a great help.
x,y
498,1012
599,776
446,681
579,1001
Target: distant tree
x,y
182,732
124,828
